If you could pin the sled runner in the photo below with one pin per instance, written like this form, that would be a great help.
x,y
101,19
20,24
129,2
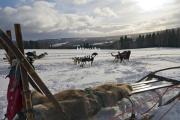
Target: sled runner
x,y
147,83
150,82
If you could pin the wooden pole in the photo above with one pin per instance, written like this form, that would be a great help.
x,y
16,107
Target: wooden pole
x,y
24,62
8,32
4,46
9,53
11,56
24,76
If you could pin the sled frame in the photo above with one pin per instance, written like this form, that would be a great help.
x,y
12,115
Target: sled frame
x,y
152,82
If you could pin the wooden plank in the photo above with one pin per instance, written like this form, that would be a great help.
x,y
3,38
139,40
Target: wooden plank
x,y
138,85
8,32
9,53
141,87
31,72
151,88
11,56
4,46
24,76
145,82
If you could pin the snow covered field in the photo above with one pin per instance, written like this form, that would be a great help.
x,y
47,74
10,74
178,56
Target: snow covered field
x,y
58,71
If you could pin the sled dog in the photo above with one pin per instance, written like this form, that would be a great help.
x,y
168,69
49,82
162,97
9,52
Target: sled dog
x,y
88,102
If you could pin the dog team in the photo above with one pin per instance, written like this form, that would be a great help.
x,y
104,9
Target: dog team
x,y
125,55
82,60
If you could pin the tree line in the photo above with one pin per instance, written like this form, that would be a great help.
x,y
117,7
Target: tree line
x,y
167,38
40,44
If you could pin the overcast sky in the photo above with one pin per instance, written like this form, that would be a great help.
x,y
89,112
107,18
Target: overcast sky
x,y
85,18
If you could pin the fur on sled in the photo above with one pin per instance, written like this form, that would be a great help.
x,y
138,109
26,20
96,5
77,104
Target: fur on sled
x,y
80,104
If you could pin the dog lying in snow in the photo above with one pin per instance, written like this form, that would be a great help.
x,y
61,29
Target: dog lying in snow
x,y
80,104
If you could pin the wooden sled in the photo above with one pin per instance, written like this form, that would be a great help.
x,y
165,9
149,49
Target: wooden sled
x,y
150,82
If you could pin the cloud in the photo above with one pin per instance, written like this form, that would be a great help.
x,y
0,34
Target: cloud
x,y
77,18
74,2
9,10
105,12
80,2
87,32
43,17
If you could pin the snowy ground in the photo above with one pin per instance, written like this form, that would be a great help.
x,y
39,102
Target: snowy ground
x,y
59,72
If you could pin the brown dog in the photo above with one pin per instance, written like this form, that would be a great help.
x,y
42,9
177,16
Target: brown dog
x,y
80,104
125,55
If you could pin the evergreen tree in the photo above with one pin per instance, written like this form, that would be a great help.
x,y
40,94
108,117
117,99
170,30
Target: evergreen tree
x,y
178,37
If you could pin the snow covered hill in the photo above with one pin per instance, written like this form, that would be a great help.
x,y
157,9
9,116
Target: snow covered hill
x,y
59,72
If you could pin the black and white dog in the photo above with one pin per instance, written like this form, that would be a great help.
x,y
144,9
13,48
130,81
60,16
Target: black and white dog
x,y
83,60
31,56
